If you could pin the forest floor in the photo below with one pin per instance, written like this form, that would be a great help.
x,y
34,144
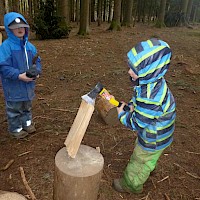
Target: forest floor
x,y
71,68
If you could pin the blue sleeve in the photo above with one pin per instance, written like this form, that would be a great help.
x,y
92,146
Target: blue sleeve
x,y
38,61
6,69
38,65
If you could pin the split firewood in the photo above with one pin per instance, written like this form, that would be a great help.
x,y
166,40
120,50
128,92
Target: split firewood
x,y
78,128
30,192
7,165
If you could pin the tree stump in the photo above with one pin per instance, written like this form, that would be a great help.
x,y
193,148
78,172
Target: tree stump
x,y
4,195
107,112
77,178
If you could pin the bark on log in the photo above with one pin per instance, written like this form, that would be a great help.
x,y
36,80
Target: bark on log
x,y
77,178
4,195
107,111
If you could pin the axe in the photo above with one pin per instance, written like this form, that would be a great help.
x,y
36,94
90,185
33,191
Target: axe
x,y
99,89
83,117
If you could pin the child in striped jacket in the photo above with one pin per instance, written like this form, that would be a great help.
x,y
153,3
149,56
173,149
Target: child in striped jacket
x,y
152,112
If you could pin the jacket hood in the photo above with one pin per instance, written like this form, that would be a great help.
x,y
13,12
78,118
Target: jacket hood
x,y
9,18
149,60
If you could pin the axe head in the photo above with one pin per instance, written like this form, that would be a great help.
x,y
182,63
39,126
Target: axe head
x,y
91,96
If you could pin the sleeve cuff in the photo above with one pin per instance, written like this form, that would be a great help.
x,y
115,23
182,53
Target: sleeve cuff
x,y
120,114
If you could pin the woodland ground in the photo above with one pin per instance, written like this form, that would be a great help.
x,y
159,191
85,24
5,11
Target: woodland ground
x,y
71,68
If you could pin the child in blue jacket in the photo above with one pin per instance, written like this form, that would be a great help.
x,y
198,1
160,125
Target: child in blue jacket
x,y
16,59
152,112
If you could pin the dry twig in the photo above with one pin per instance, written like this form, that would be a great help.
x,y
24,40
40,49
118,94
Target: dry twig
x,y
166,197
192,152
163,179
146,197
154,185
60,109
190,174
22,154
26,184
7,165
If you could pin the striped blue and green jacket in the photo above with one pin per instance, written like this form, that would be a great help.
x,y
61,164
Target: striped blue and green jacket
x,y
154,105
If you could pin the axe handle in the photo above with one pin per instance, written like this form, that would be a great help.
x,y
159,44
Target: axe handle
x,y
126,108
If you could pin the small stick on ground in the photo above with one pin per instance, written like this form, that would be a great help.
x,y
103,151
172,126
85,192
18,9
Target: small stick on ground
x,y
166,197
192,152
154,185
190,174
7,165
22,154
146,197
26,184
60,109
163,179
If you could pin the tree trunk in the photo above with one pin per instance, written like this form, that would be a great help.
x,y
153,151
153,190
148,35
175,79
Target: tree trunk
x,y
127,21
7,7
110,12
35,6
77,11
160,22
194,14
2,12
99,12
30,8
84,17
115,24
15,5
92,10
184,5
63,9
189,9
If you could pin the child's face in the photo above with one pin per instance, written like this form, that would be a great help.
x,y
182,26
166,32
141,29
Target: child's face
x,y
132,74
19,32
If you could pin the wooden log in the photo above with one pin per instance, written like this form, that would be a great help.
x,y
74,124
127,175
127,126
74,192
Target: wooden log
x,y
77,178
2,28
107,112
4,195
78,128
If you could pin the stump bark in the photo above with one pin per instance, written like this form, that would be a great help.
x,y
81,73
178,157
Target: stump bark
x,y
77,178
4,195
107,112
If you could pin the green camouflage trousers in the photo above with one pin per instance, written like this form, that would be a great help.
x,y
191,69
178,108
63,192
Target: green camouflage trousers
x,y
141,164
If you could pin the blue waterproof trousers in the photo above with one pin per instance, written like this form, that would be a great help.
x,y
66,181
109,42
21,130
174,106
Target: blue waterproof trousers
x,y
19,115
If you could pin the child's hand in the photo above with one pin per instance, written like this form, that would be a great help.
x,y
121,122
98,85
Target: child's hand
x,y
24,78
131,108
120,109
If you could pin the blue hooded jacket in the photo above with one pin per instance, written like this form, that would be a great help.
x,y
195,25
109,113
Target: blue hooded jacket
x,y
16,57
154,105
